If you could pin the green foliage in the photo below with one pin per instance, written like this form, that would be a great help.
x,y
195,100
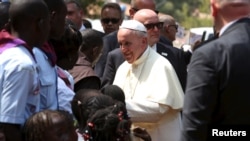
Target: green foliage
x,y
181,10
94,5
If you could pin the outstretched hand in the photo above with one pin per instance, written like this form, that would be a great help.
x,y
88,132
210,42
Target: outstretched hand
x,y
141,133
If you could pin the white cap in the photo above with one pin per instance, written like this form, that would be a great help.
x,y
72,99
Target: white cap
x,y
133,25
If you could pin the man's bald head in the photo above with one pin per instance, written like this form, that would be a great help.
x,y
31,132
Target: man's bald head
x,y
225,11
170,27
145,16
151,21
33,14
167,19
22,12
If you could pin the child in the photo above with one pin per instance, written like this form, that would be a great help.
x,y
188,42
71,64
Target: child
x,y
49,125
101,118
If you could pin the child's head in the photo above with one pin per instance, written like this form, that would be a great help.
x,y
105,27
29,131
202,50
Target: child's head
x,y
109,117
92,44
108,124
115,92
78,103
49,125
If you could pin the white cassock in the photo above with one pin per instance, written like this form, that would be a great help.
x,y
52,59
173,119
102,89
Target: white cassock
x,y
154,96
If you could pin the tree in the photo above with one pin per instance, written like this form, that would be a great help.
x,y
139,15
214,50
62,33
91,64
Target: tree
x,y
92,7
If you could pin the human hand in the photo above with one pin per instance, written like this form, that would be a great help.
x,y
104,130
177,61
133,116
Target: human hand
x,y
141,133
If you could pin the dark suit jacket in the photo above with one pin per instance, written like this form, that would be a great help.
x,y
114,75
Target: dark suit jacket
x,y
114,60
218,84
174,55
165,41
187,54
109,43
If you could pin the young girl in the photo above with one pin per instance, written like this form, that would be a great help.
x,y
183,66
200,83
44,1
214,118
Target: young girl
x,y
101,118
49,125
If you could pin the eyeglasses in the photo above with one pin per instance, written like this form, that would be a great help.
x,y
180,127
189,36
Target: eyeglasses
x,y
112,20
174,25
136,9
153,25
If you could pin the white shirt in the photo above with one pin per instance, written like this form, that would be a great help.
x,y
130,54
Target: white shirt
x,y
224,28
82,28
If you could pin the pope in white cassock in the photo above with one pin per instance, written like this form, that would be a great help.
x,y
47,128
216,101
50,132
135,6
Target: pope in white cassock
x,y
154,97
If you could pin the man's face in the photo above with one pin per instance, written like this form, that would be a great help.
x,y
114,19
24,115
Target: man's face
x,y
172,29
110,19
153,26
57,27
74,14
131,45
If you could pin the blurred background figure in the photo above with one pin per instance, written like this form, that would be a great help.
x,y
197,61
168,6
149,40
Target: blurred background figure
x,y
169,30
66,49
75,13
89,53
87,23
111,17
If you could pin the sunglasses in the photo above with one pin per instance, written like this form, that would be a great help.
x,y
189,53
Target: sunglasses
x,y
174,25
136,9
159,25
112,20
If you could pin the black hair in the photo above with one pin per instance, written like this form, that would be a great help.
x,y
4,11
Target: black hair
x,y
22,13
91,38
37,125
115,92
114,6
4,14
77,103
108,124
75,2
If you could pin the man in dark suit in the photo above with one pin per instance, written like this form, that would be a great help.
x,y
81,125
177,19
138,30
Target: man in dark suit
x,y
217,92
114,60
168,34
110,40
173,55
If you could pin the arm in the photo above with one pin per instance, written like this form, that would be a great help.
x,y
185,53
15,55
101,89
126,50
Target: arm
x,y
142,133
200,97
145,111
109,72
65,95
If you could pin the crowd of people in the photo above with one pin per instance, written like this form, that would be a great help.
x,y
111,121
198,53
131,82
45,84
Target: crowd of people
x,y
61,80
